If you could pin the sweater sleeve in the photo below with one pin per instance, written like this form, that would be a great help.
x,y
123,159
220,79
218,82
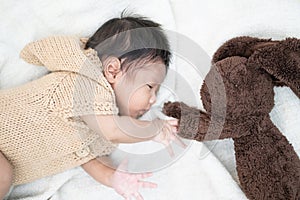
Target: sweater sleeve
x,y
77,95
56,53
64,53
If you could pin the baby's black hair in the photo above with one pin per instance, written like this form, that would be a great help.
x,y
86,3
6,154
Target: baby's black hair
x,y
131,38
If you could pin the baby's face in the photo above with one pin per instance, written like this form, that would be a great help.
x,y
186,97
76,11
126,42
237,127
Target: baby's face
x,y
136,91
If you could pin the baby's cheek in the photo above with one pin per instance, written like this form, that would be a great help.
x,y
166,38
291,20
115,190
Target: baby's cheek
x,y
139,100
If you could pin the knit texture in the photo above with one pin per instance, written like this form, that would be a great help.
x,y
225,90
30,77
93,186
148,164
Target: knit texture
x,y
41,130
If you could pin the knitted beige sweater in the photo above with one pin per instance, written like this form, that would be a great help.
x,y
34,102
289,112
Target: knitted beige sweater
x,y
41,132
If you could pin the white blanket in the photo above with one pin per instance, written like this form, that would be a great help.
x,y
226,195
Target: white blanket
x,y
194,173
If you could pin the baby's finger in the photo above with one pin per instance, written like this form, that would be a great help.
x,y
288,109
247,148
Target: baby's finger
x,y
179,142
171,138
144,175
174,129
170,150
147,184
126,196
138,196
173,122
164,133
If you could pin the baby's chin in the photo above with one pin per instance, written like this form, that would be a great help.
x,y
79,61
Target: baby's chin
x,y
138,114
134,114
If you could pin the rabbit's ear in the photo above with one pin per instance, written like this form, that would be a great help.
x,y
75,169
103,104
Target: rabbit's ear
x,y
282,61
240,46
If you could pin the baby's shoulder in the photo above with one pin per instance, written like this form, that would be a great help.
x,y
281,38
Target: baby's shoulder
x,y
71,81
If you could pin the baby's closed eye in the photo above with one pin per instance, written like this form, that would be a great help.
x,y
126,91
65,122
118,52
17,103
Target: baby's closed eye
x,y
150,86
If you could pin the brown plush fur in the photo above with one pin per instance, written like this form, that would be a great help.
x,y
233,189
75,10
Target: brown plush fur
x,y
238,96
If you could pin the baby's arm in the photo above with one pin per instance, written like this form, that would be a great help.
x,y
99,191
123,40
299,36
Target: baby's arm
x,y
99,171
6,175
124,129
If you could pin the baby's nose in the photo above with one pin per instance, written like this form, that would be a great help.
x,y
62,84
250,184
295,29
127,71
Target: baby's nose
x,y
152,100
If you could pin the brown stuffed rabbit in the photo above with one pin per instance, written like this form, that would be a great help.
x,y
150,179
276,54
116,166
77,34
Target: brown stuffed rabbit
x,y
238,96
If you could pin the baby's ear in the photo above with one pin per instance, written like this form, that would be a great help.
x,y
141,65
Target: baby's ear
x,y
282,61
112,69
240,46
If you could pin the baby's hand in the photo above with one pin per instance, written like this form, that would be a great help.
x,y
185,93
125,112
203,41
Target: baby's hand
x,y
127,184
168,134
